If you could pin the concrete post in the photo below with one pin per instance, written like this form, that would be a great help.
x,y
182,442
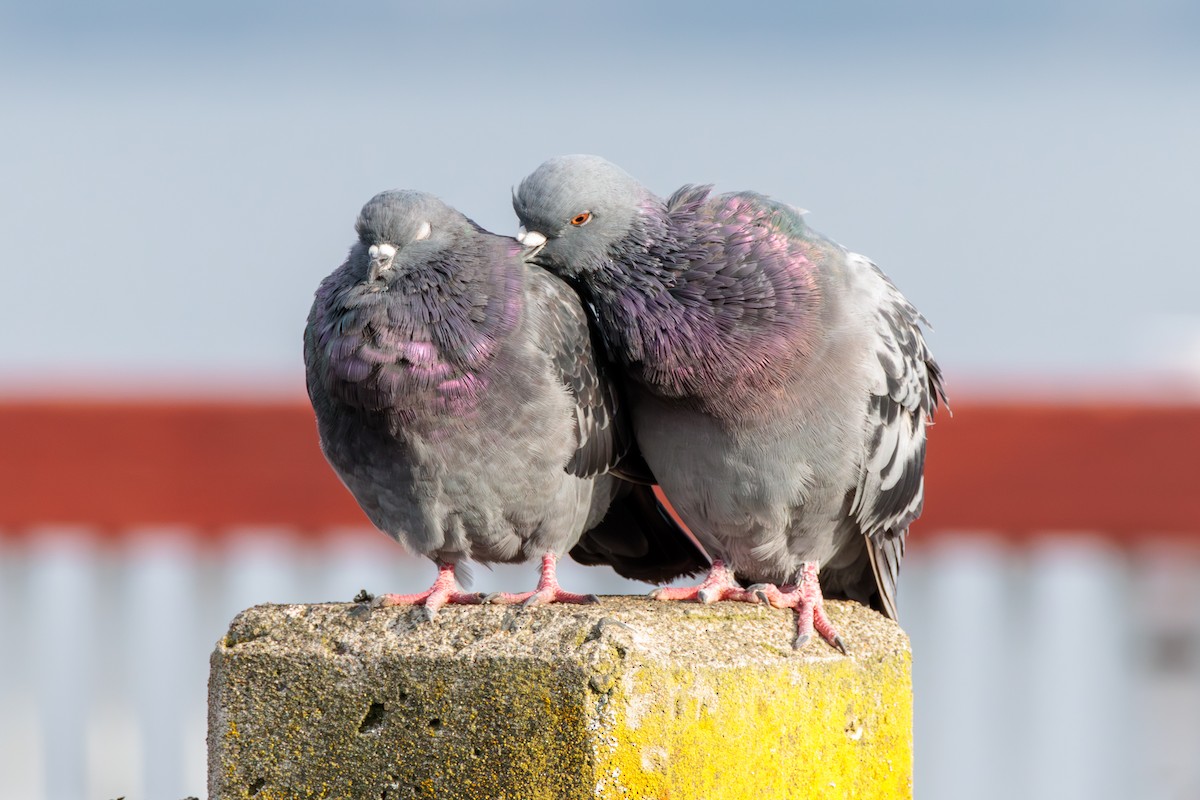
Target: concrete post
x,y
630,698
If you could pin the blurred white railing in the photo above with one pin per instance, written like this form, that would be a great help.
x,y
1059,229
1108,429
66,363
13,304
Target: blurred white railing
x,y
1068,668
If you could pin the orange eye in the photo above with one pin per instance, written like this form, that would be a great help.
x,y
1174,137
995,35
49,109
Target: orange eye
x,y
581,219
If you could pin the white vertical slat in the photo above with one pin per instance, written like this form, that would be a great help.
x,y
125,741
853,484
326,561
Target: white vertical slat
x,y
252,566
164,652
1166,632
344,562
22,751
1077,670
62,592
112,728
260,565
961,622
21,738
114,747
194,725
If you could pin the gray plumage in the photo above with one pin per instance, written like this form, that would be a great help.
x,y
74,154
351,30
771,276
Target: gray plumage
x,y
779,384
457,395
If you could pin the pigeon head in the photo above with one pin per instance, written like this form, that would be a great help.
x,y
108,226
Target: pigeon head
x,y
397,229
574,209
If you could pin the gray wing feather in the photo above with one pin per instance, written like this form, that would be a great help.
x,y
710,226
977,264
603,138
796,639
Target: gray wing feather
x,y
602,435
907,391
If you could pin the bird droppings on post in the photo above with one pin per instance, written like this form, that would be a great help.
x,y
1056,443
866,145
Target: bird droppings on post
x,y
627,699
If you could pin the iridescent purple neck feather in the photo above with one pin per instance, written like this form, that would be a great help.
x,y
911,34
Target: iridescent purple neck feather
x,y
684,312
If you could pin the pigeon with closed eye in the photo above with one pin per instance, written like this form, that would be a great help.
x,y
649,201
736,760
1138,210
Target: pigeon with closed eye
x,y
458,398
779,384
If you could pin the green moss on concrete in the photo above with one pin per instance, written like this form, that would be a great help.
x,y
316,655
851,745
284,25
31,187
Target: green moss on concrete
x,y
628,699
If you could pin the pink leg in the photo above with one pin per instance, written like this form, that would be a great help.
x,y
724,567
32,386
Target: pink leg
x,y
718,585
548,590
806,598
444,590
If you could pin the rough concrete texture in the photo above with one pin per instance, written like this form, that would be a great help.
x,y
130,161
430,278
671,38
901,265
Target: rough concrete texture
x,y
630,698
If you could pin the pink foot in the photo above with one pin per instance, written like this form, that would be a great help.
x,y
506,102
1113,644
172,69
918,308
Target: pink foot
x,y
444,590
806,598
548,590
717,585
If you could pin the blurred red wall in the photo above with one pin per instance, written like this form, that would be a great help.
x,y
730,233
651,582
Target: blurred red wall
x,y
1125,471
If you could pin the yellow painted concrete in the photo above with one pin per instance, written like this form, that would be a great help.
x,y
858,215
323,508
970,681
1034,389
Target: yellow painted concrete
x,y
842,730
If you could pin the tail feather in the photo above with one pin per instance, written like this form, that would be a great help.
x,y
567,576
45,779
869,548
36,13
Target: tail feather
x,y
640,539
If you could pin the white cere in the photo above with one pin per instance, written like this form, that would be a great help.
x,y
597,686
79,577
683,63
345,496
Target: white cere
x,y
381,251
530,238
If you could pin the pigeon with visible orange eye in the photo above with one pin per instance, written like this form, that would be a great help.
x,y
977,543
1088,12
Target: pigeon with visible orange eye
x,y
779,384
458,397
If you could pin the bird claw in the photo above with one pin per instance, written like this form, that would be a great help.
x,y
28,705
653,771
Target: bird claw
x,y
806,599
542,597
774,596
443,591
837,643
548,590
717,585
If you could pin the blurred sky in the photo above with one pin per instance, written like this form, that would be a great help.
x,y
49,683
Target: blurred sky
x,y
175,179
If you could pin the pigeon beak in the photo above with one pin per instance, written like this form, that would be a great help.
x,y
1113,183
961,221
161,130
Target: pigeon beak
x,y
381,256
532,240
